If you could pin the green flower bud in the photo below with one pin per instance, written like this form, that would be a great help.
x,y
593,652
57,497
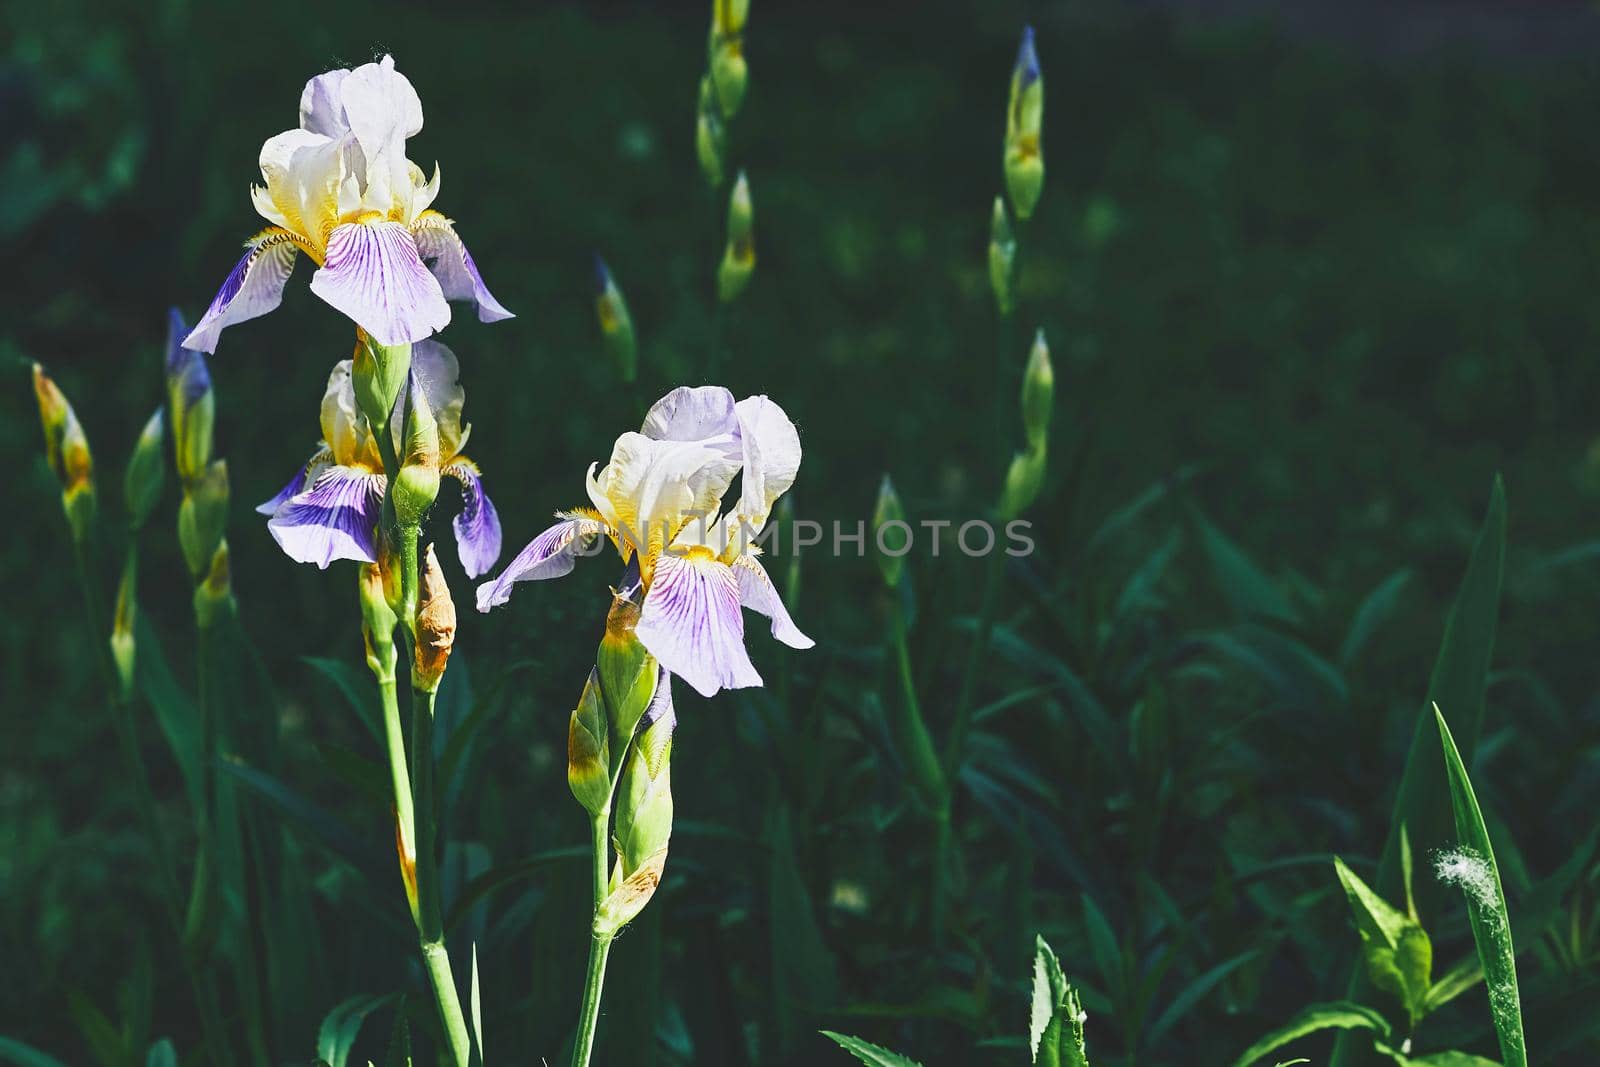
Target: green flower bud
x,y
1024,152
644,796
1024,479
191,401
122,642
141,485
726,53
710,136
203,516
588,753
616,325
739,256
377,621
627,674
214,595
1038,393
67,450
895,539
417,485
378,374
1002,259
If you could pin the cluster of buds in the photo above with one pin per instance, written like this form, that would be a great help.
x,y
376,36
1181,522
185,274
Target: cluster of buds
x,y
616,325
722,87
203,513
1025,477
67,449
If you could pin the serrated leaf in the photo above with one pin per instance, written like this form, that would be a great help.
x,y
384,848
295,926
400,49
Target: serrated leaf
x,y
868,1053
1049,987
1337,1015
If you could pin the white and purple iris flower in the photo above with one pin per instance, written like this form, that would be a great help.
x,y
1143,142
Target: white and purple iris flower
x,y
341,190
659,501
332,506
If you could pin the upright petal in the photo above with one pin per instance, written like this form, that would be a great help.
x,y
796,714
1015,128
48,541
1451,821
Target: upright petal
x,y
477,528
452,265
309,183
254,287
692,624
757,593
438,374
550,555
383,110
337,518
692,413
344,428
373,275
654,487
771,447
322,107
303,479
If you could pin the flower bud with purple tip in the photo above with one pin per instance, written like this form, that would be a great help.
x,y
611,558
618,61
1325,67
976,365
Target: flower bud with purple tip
x,y
1024,151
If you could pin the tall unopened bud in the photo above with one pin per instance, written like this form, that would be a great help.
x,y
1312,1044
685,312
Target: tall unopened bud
x,y
643,825
588,749
891,536
739,257
417,485
1002,259
67,450
192,403
203,517
1024,480
1038,393
436,626
377,621
627,673
378,374
1024,151
729,72
616,325
123,654
141,485
710,135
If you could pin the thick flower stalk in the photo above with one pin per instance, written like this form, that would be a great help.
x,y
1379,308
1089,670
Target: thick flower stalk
x,y
340,189
331,508
693,562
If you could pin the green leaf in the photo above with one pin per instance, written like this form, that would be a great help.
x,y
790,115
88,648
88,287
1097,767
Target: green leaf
x,y
1374,611
1338,1015
1452,1059
1460,978
1375,917
342,1025
1247,588
1103,943
477,1006
868,1053
174,711
1473,869
161,1054
1185,1001
1049,990
25,1055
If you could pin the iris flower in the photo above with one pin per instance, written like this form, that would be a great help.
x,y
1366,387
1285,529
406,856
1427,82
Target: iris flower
x,y
331,507
660,502
341,190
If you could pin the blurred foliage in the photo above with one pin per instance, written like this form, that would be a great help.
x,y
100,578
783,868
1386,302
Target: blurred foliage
x,y
1304,301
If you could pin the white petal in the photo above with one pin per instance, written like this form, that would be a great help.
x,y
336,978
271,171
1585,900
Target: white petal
x,y
757,593
374,275
692,624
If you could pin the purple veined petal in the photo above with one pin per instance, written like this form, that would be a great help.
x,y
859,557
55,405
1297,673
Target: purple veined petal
x,y
550,555
373,275
254,287
303,479
452,264
757,593
691,413
692,624
337,518
477,528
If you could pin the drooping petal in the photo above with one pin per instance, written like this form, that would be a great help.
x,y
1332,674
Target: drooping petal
x,y
254,288
757,593
771,448
452,264
373,275
691,413
302,480
337,518
478,526
550,555
692,623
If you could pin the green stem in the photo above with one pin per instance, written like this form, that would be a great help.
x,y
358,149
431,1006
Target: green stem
x,y
430,920
922,761
599,945
961,725
394,739
212,1031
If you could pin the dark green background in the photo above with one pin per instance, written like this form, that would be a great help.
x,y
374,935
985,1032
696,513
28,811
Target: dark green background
x,y
1332,274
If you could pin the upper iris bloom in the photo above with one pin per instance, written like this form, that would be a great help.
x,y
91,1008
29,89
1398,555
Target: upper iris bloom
x,y
331,507
659,500
341,190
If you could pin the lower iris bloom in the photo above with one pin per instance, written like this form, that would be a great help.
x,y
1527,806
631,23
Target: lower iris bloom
x,y
660,503
332,506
